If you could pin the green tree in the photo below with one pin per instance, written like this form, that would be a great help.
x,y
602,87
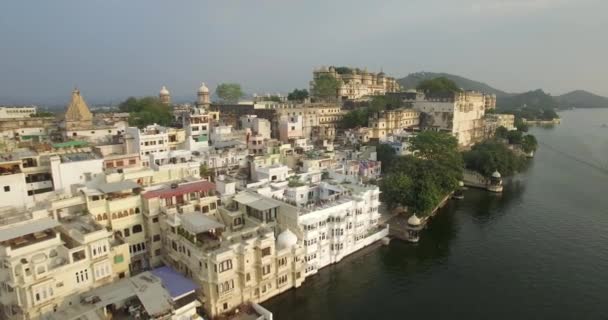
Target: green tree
x,y
386,155
42,114
229,92
298,95
206,172
501,132
274,98
438,86
529,143
493,155
434,171
325,87
395,190
146,111
355,118
514,137
385,102
520,124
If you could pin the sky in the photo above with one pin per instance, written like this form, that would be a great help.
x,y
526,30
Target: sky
x,y
114,49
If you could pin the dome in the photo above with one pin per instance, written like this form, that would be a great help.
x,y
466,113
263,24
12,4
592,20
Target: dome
x,y
203,89
496,174
413,220
164,91
286,239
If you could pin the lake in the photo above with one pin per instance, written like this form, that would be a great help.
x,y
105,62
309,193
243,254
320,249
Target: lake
x,y
537,251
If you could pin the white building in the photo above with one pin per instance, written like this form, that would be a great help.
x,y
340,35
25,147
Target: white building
x,y
258,126
17,112
153,139
290,127
71,169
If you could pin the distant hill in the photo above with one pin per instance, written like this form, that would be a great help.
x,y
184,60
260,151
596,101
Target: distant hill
x,y
536,99
413,79
581,99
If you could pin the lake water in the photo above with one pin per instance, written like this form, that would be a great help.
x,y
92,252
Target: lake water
x,y
538,251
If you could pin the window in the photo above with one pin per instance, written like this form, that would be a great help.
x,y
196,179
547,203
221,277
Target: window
x,y
137,228
282,262
281,280
155,220
225,265
265,270
7,188
82,276
248,277
127,232
266,252
156,238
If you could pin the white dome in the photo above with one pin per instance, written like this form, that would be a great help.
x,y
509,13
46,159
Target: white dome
x,y
203,89
164,91
286,239
496,174
413,220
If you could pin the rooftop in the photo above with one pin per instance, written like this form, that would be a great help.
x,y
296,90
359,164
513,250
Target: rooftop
x,y
168,192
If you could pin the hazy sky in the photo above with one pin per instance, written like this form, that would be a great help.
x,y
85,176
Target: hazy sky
x,y
113,49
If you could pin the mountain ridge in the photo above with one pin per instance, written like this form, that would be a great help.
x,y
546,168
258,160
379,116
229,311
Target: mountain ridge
x,y
506,100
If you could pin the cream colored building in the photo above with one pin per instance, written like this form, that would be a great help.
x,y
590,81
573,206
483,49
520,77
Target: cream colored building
x,y
356,83
153,139
497,120
232,252
460,114
319,120
390,122
17,112
47,262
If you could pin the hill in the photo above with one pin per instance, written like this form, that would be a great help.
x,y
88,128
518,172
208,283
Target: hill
x,y
536,99
581,99
413,79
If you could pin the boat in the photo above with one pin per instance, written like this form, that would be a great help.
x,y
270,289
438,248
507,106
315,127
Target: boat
x,y
458,195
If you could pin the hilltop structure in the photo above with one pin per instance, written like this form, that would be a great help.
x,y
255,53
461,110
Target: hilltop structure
x,y
355,83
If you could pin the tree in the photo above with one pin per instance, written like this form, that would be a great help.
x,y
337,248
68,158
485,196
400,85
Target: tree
x,y
325,87
514,137
42,114
386,155
520,124
529,143
298,95
501,132
381,103
395,189
229,92
274,98
493,155
434,145
206,172
440,85
434,170
146,111
355,118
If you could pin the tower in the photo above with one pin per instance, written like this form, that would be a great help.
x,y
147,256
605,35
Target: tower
x,y
77,114
164,95
202,95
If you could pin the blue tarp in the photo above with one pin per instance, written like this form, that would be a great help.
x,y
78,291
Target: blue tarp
x,y
175,283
